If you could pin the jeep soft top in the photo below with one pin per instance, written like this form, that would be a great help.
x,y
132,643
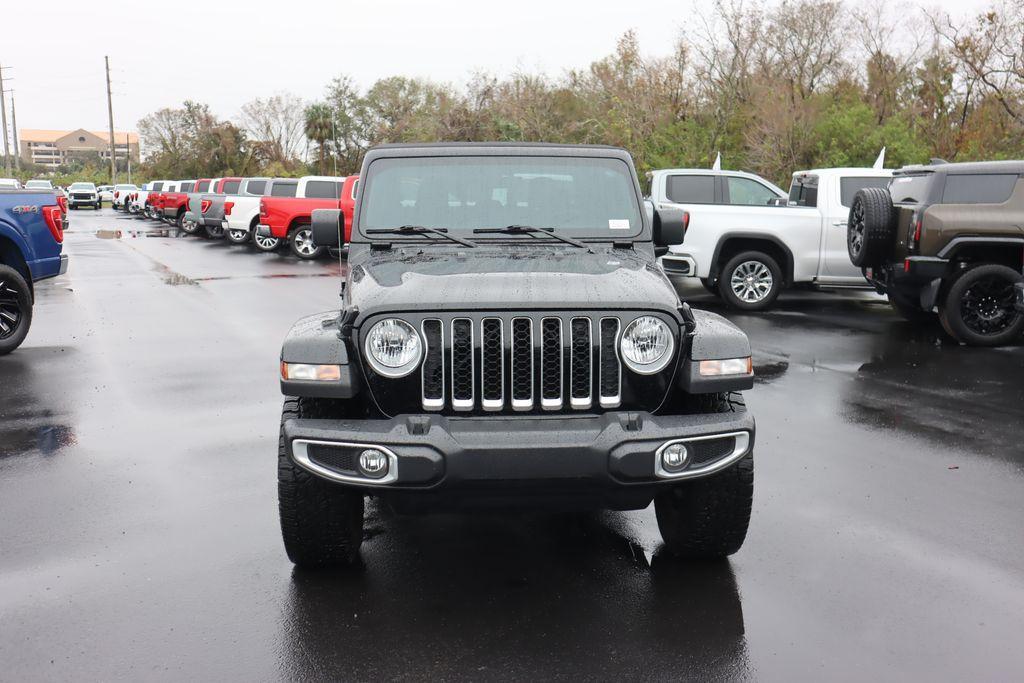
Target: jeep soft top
x,y
506,337
946,238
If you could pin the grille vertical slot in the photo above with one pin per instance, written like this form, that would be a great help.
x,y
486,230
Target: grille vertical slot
x,y
610,369
462,364
522,364
492,364
433,365
551,364
580,364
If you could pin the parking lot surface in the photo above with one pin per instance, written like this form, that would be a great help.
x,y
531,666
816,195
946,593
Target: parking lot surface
x,y
139,535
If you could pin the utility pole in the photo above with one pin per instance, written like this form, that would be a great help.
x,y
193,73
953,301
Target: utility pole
x,y
3,122
128,145
14,129
110,116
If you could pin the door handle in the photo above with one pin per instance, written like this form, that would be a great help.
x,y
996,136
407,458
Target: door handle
x,y
839,224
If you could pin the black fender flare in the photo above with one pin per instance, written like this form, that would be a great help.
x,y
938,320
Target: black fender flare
x,y
319,340
958,243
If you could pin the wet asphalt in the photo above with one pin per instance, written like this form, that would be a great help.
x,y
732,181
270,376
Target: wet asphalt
x,y
139,536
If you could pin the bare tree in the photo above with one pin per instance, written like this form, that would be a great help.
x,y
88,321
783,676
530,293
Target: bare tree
x,y
277,125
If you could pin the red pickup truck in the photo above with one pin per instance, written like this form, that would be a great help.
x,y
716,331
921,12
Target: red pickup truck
x,y
289,217
173,204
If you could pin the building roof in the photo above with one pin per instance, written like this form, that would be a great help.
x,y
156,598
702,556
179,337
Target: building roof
x,y
37,135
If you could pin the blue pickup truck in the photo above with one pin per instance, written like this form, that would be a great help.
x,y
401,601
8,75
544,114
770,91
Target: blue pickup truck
x,y
31,241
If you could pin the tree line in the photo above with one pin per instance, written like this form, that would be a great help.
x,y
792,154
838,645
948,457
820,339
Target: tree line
x,y
799,84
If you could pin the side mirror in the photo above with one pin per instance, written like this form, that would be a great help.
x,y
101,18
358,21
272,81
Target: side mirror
x,y
326,227
670,227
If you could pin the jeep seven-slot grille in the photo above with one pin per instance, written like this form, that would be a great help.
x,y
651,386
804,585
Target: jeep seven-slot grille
x,y
519,363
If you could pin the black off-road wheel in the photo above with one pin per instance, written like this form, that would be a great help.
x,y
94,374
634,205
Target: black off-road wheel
x,y
708,517
979,307
870,227
750,281
15,309
321,522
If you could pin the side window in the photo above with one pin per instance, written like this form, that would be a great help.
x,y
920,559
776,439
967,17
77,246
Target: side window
x,y
231,186
690,189
355,186
256,186
157,187
747,192
850,186
203,186
323,189
804,191
988,188
283,189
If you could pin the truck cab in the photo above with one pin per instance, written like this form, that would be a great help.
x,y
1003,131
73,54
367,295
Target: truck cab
x,y
506,338
748,239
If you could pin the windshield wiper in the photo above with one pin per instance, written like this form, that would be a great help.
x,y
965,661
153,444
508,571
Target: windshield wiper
x,y
420,230
531,230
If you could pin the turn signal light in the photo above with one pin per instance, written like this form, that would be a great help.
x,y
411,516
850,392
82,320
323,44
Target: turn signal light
x,y
54,217
726,366
306,371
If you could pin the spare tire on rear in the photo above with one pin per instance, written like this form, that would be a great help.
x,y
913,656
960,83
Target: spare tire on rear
x,y
870,227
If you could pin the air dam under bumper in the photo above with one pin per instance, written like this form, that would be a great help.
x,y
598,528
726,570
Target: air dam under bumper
x,y
597,452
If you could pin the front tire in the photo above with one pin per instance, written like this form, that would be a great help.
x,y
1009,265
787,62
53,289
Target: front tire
x,y
321,522
301,244
979,307
15,309
750,281
708,517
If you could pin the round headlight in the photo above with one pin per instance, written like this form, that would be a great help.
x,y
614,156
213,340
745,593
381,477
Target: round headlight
x,y
647,345
393,348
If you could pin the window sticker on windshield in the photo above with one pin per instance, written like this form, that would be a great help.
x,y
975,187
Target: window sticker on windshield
x,y
618,224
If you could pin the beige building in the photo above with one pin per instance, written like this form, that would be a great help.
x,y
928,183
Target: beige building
x,y
55,147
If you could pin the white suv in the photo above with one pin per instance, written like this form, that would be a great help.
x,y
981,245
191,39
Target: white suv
x,y
747,239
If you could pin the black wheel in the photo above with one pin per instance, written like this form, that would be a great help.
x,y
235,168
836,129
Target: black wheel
x,y
321,522
979,307
15,309
708,517
870,226
301,243
908,308
750,281
97,206
708,285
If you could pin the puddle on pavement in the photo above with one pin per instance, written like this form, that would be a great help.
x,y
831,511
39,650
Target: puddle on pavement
x,y
139,234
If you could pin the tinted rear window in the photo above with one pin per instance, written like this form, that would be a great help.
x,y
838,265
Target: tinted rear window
x,y
323,189
187,187
691,189
910,189
987,188
283,189
158,186
804,191
256,186
231,186
850,186
203,186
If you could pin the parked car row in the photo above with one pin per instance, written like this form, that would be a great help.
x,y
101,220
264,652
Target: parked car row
x,y
267,213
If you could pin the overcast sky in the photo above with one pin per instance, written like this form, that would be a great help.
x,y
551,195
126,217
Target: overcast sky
x,y
226,53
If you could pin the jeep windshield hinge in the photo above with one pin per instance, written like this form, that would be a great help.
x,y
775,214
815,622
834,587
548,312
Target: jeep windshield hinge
x,y
346,322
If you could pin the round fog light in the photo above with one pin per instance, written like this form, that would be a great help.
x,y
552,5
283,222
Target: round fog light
x,y
373,463
674,457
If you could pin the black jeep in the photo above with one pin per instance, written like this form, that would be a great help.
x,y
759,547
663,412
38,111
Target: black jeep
x,y
506,338
946,238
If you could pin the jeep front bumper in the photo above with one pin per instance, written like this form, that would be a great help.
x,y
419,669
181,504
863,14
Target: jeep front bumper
x,y
434,453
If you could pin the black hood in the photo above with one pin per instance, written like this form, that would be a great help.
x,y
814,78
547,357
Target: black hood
x,y
507,277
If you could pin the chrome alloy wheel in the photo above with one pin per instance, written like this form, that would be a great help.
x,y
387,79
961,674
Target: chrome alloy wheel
x,y
266,243
751,281
304,242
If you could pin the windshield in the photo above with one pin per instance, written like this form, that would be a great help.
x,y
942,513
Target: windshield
x,y
578,196
82,186
42,184
910,189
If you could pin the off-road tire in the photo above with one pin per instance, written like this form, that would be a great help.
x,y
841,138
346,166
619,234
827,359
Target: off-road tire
x,y
764,264
990,288
15,300
908,309
708,517
321,522
870,227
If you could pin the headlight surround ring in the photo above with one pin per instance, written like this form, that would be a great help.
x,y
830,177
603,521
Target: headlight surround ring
x,y
647,345
393,348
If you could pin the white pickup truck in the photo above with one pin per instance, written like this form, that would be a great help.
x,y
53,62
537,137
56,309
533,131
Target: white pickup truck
x,y
242,210
747,240
137,204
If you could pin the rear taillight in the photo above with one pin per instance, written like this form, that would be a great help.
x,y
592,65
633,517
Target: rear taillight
x,y
263,208
54,217
227,208
62,202
686,221
906,265
917,231
117,193
204,205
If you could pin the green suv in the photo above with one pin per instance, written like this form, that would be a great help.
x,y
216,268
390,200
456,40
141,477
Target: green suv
x,y
947,239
